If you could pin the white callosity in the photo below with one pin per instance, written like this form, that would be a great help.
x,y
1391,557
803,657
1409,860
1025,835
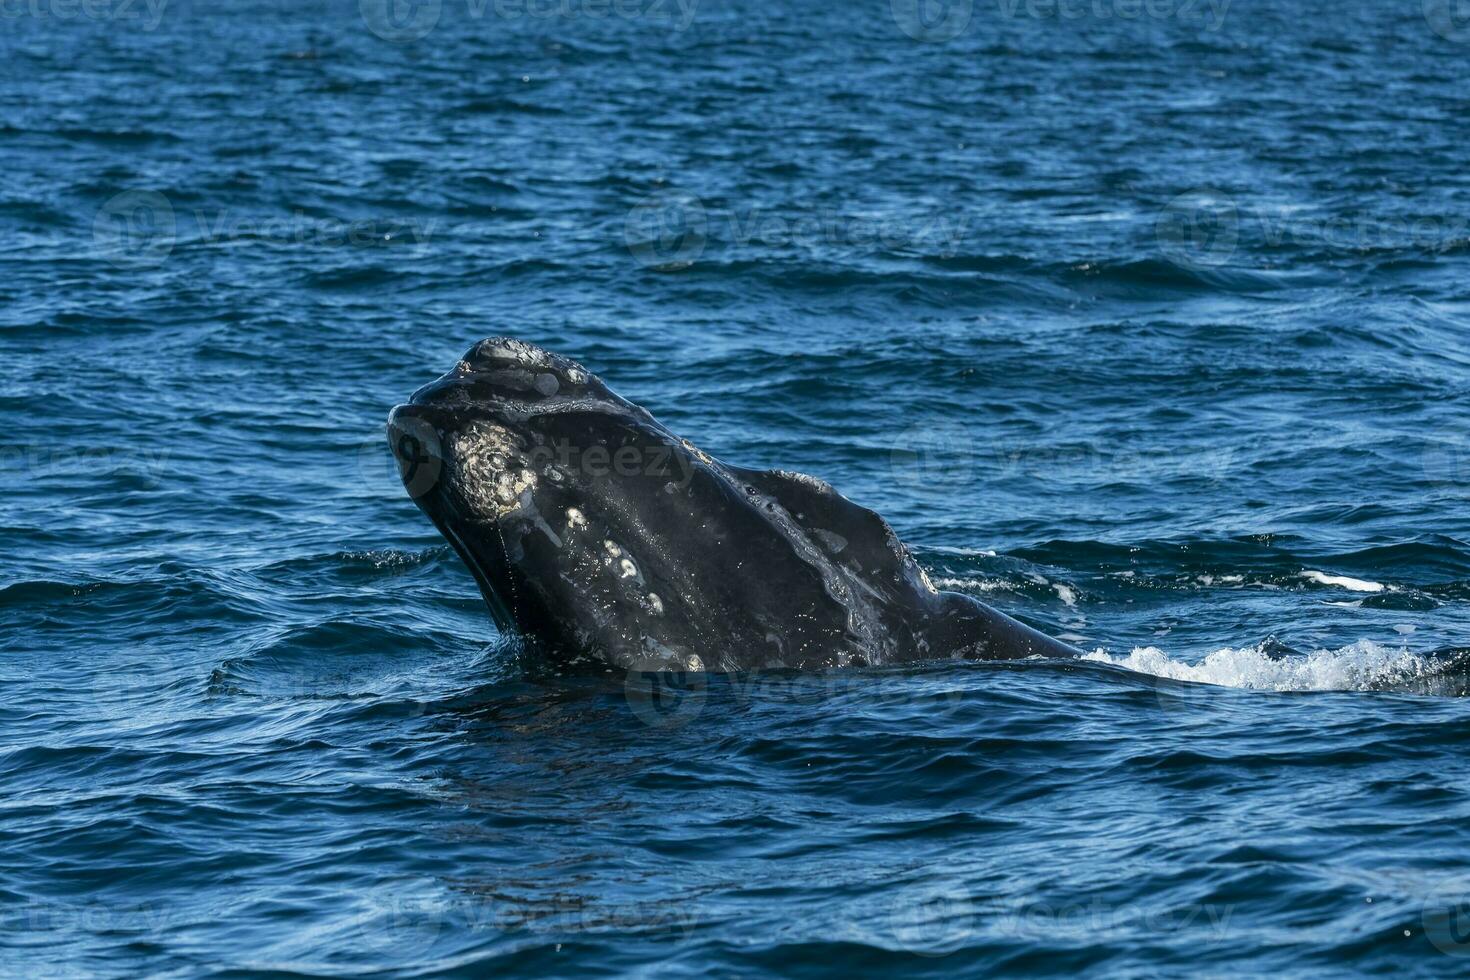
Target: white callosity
x,y
492,470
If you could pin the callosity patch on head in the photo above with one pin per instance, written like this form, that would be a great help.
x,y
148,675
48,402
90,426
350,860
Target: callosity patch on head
x,y
507,352
490,468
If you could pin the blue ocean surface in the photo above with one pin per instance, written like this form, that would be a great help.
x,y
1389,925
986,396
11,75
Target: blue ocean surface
x,y
1143,322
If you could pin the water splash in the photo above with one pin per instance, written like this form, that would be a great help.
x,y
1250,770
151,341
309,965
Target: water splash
x,y
1361,666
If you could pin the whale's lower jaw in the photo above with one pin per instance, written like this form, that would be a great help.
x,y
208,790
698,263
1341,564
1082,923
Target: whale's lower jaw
x,y
592,528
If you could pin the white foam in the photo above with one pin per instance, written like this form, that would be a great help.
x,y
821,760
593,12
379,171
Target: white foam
x,y
1351,584
973,584
1363,666
1207,579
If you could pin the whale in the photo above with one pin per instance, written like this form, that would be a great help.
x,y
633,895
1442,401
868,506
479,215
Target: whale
x,y
608,540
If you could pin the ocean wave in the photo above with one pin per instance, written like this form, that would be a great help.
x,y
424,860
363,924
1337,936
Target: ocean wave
x,y
1342,581
1361,666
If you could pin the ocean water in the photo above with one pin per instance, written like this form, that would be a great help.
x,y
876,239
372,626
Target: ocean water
x,y
1145,323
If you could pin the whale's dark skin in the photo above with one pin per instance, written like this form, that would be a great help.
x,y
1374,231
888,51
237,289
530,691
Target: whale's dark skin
x,y
596,530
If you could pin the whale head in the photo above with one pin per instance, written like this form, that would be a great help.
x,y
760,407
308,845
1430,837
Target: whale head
x,y
591,527
546,483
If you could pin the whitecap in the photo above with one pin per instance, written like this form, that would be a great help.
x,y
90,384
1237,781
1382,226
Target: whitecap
x,y
1351,584
1361,666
